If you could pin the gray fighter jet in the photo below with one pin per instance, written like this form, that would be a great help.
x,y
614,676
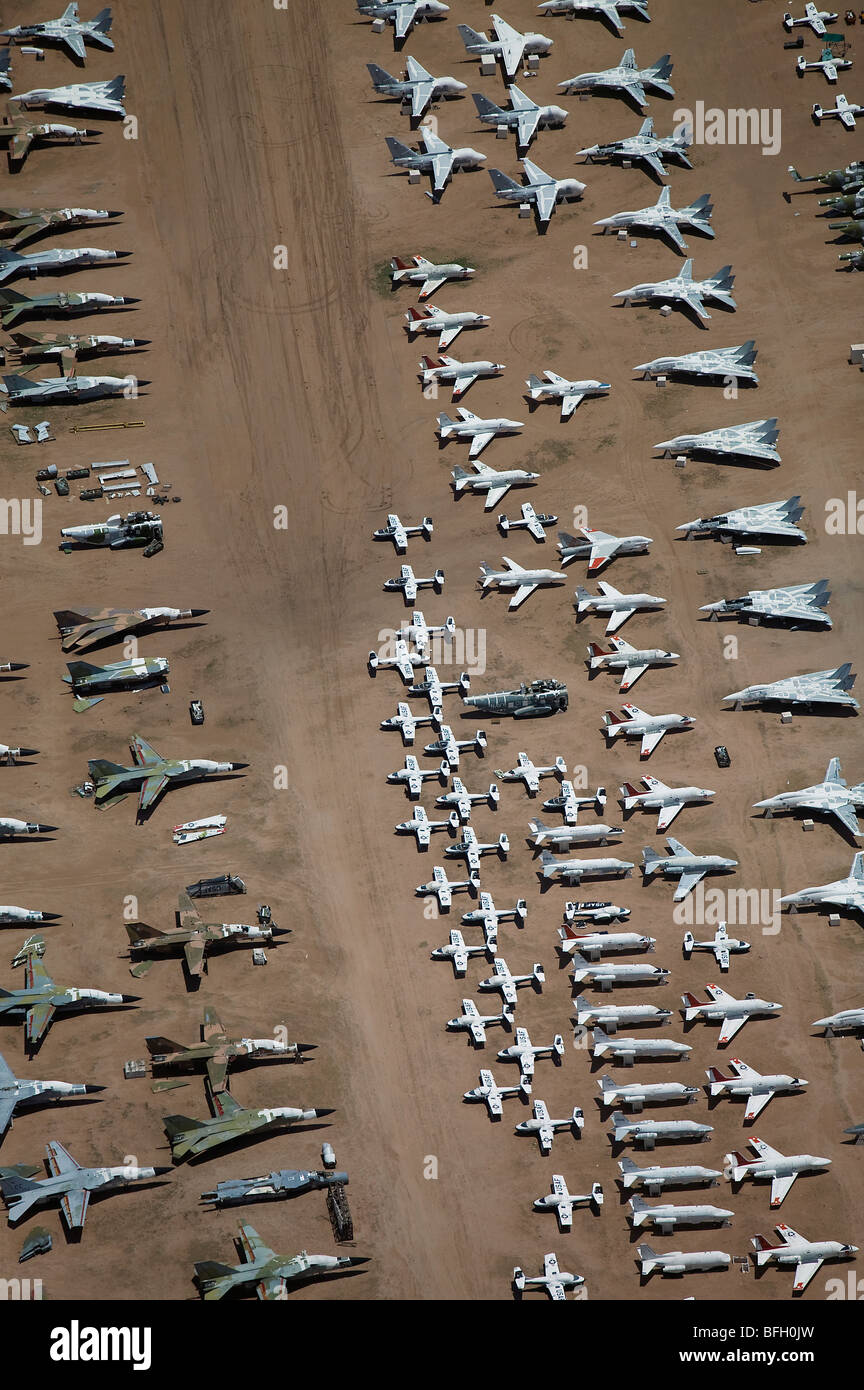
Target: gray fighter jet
x,y
734,362
103,98
272,1187
437,159
41,1000
682,864
84,628
18,1093
230,1123
150,774
627,79
61,303
795,605
684,291
523,116
495,482
417,89
508,46
70,1184
69,31
539,188
84,679
608,10
845,893
832,797
663,218
768,520
402,14
61,390
755,440
521,582
55,258
644,148
829,687
270,1274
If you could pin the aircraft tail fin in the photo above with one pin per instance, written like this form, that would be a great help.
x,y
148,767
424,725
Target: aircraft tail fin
x,y
502,182
140,931
470,36
485,107
648,1256
158,1047
19,1195
175,1125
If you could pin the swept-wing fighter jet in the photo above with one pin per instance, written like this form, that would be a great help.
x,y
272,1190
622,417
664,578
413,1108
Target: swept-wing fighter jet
x,y
420,271
194,937
218,1051
523,116
84,628
781,1169
627,79
847,1020
767,521
646,148
755,440
646,1132
844,110
21,390
570,393
61,304
526,1053
150,774
832,797
608,10
669,1215
529,521
806,1255
412,775
491,1094
665,219
508,46
726,1009
530,774
632,662
599,547
604,974
230,1123
514,577
19,133
69,347
478,430
545,1128
682,290
828,64
682,864
448,370
41,999
735,362
795,605
11,828
574,870
18,225
845,893
398,533
417,89
20,1093
536,700
472,1021
443,888
640,1093
634,722
407,722
408,583
69,1184
103,98
667,801
721,945
829,687
458,952
438,323
462,800
813,18
552,1281
55,258
539,188
562,1202
653,1180
619,606
402,14
758,1088
495,482
270,1274
69,31
436,158
85,680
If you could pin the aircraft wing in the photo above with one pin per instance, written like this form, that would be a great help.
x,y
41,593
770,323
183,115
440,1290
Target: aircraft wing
x,y
441,169
449,336
421,95
805,1269
603,546
39,1019
636,91
151,789
423,835
673,231
847,817
225,1105
695,302
463,380
217,1071
518,598
556,1292
617,619
414,784
830,71
212,1026
479,441
75,43
59,1159
494,495
493,1100
193,954
629,677
7,1109
721,955
755,1106
74,1207
404,667
550,1266
526,126
21,143
431,284
655,164
7,1076
403,18
478,1033
668,814
252,1246
649,743
142,752
512,47
779,1189
546,197
568,405
730,1028
718,995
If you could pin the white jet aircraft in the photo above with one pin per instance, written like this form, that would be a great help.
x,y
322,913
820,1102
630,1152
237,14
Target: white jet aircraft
x,y
506,984
605,974
736,362
402,661
488,916
721,945
420,632
631,661
569,804
530,774
684,291
546,1128
766,521
539,188
806,1255
451,747
69,31
443,888
829,687
593,945
563,836
515,577
553,1280
640,1093
412,775
492,1094
462,800
407,722
627,78
104,98
619,606
682,864
529,521
725,1008
435,689
813,18
438,323
645,147
610,1016
608,10
457,952
472,850
402,14
553,387
523,116
844,110
449,370
637,723
421,827
396,532
846,892
758,1088
827,64
653,1180
525,1052
480,432
782,1169
495,482
562,1202
417,89
574,870
409,583
428,274
680,1261
663,218
832,797
508,46
472,1021
667,801
666,1217
599,547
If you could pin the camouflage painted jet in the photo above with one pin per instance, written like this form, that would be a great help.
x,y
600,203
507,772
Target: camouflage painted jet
x,y
150,774
69,31
230,1122
85,678
70,1184
196,937
18,225
217,1050
72,347
41,999
270,1273
22,390
16,1091
83,628
19,133
60,303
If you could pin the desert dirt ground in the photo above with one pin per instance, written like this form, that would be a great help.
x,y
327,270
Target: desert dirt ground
x,y
296,388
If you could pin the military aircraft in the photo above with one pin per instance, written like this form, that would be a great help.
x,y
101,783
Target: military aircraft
x,y
284,1182
634,722
475,428
640,1093
598,912
420,271
436,158
402,14
539,188
632,662
850,203
18,225
84,678
472,850
530,774
781,1169
828,63
69,1184
407,722
421,827
653,1180
472,1021
103,98
591,1014
491,1094
69,347
844,110
11,828
565,836
832,797
508,46
628,79
667,801
846,1020
150,774
506,984
552,1281
421,633
593,945
599,547
666,1217
608,10
619,606
69,31
20,1093
574,870
795,605
196,938
645,1133
721,945
680,1261
570,393
545,1128
14,307
515,577
418,88
435,689
62,258
668,221
806,1255
19,133
685,292
462,800
458,952
408,583
569,804
218,1051
17,915
438,323
84,628
758,1088
526,1053
644,148
813,18
487,915
450,747
534,701
845,893
398,533
682,864
41,999
756,440
230,1123
604,974
850,177
725,1008
64,389
412,776
523,116
495,482
271,1275
529,521
767,520
735,362
461,375
562,1202
443,888
829,687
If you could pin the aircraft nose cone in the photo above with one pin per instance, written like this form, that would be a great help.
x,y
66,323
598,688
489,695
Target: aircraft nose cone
x,y
129,299
91,1089
356,1259
51,916
238,767
142,382
45,829
18,665
131,998
160,1172
319,1113
121,255
29,752
306,1047
280,931
114,212
140,342
198,612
